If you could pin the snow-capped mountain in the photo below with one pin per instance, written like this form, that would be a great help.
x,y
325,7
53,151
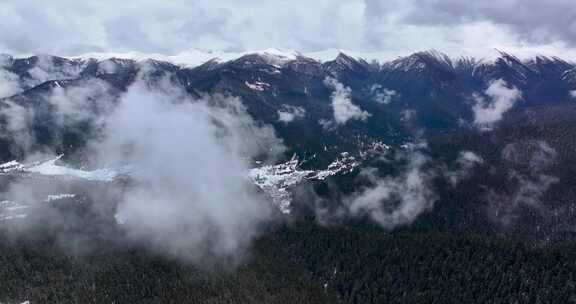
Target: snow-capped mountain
x,y
325,107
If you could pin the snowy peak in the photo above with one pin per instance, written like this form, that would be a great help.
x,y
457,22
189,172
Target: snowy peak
x,y
270,57
431,63
516,70
344,64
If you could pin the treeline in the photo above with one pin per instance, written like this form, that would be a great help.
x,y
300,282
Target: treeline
x,y
375,267
45,274
302,263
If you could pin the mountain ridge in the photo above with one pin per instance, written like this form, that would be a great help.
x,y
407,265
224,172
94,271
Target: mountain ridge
x,y
426,97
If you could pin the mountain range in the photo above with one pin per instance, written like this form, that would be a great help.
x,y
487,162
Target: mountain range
x,y
421,144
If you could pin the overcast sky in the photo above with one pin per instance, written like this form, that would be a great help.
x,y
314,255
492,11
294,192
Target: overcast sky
x,y
72,27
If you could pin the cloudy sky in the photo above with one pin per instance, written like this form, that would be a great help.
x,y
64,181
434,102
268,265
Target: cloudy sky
x,y
393,27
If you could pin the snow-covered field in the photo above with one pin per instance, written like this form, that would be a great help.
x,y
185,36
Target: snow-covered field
x,y
274,180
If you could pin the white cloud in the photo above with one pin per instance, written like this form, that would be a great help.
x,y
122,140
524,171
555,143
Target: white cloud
x,y
382,95
67,27
469,157
465,162
528,192
107,66
407,115
189,194
70,28
344,109
530,184
18,125
396,200
83,101
191,197
537,155
502,99
289,113
45,69
9,83
573,94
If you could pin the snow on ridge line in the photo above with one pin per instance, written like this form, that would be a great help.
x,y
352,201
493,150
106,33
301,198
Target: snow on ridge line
x,y
196,57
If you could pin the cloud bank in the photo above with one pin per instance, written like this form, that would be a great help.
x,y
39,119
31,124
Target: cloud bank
x,y
391,28
9,83
189,195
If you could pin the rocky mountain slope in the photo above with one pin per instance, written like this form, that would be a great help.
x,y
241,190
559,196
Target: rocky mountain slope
x,y
510,113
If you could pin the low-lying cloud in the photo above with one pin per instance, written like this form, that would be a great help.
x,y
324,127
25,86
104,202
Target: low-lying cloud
x,y
465,163
289,113
189,195
343,108
501,99
17,127
393,201
382,95
85,101
531,161
9,83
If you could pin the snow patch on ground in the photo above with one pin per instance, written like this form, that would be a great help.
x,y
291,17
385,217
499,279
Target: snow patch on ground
x,y
276,180
11,210
51,168
11,166
257,85
55,197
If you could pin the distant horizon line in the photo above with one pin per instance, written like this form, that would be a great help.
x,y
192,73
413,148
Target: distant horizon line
x,y
196,57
